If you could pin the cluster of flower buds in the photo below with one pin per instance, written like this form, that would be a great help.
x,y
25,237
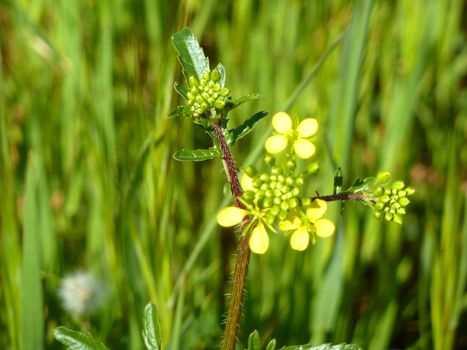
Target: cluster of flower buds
x,y
391,201
277,190
207,93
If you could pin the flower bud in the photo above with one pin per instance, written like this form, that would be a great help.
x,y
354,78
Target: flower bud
x,y
215,75
383,177
192,81
206,76
397,185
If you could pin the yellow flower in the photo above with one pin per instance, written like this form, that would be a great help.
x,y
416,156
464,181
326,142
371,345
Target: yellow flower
x,y
230,216
310,223
259,240
282,124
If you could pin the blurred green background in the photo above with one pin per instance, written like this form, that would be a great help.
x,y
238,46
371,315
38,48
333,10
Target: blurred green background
x,y
88,181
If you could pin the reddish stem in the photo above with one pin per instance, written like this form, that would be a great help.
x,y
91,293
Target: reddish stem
x,y
243,251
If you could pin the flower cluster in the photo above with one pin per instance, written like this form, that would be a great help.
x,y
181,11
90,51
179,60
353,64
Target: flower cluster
x,y
390,201
207,93
273,199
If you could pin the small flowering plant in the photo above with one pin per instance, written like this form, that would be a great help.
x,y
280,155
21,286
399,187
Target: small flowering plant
x,y
265,202
271,201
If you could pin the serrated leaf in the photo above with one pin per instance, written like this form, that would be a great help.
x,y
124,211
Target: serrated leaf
x,y
245,128
254,342
196,155
75,340
323,347
180,111
271,345
151,328
182,89
190,54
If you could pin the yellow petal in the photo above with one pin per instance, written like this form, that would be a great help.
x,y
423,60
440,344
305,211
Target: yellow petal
x,y
288,225
247,183
304,148
307,127
299,240
259,240
230,216
316,209
324,228
281,122
275,144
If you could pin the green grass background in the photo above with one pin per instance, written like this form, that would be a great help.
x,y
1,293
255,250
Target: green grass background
x,y
88,180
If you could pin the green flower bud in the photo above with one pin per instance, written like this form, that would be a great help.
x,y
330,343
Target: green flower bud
x,y
291,165
404,201
216,88
275,171
401,211
250,171
277,201
290,181
283,214
257,182
385,198
388,216
267,202
192,81
264,186
281,179
383,177
211,101
402,193
268,159
202,84
273,178
211,84
219,104
260,194
299,181
410,191
272,185
293,203
285,206
295,192
377,214
215,75
190,96
285,189
379,206
224,92
378,191
397,218
312,168
268,193
277,192
206,76
275,210
397,185
264,177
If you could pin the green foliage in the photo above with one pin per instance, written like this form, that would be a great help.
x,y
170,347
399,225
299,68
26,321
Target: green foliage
x,y
152,330
74,340
197,154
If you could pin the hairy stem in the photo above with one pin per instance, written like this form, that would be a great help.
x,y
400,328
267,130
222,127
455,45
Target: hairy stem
x,y
243,251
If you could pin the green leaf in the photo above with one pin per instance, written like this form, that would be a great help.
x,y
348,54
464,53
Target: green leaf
x,y
271,345
196,154
245,128
151,330
190,54
74,340
338,179
182,89
254,342
323,347
361,186
244,99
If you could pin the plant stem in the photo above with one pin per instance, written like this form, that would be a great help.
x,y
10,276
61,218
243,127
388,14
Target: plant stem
x,y
243,250
344,196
